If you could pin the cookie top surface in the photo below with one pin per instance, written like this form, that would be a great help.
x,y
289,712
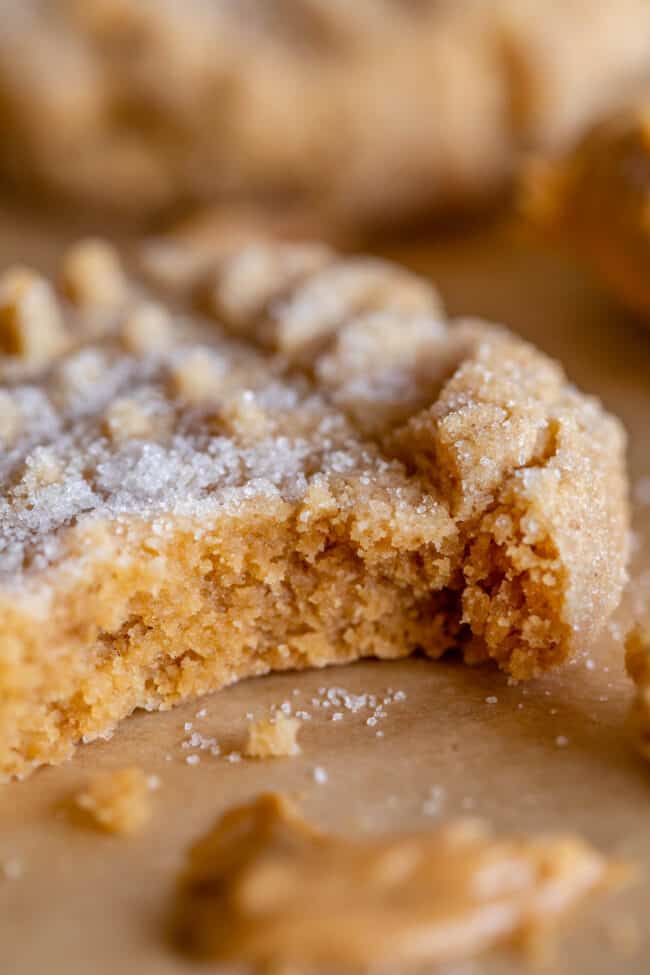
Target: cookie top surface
x,y
118,400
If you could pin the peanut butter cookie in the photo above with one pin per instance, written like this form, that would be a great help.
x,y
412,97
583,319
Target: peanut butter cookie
x,y
284,459
370,110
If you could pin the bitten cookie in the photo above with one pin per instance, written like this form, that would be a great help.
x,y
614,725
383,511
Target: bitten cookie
x,y
278,459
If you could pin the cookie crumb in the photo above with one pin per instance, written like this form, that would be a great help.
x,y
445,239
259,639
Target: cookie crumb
x,y
118,802
274,737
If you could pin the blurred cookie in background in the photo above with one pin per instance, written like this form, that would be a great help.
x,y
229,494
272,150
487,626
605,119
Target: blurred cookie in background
x,y
596,199
372,112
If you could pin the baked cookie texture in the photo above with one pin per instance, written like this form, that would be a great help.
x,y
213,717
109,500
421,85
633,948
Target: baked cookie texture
x,y
278,459
596,199
371,110
266,888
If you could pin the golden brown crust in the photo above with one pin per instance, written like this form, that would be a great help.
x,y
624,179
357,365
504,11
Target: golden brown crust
x,y
374,111
334,471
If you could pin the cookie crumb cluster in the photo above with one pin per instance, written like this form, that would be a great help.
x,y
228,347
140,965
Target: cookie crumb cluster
x,y
273,737
119,802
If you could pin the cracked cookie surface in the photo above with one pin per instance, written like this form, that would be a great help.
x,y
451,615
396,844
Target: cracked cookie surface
x,y
278,460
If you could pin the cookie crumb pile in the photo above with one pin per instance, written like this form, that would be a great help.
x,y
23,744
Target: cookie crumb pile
x,y
119,802
273,737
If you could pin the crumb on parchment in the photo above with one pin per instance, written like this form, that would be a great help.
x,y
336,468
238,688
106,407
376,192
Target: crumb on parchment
x,y
274,737
119,802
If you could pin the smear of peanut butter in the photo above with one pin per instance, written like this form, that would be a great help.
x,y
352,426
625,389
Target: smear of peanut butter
x,y
266,888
